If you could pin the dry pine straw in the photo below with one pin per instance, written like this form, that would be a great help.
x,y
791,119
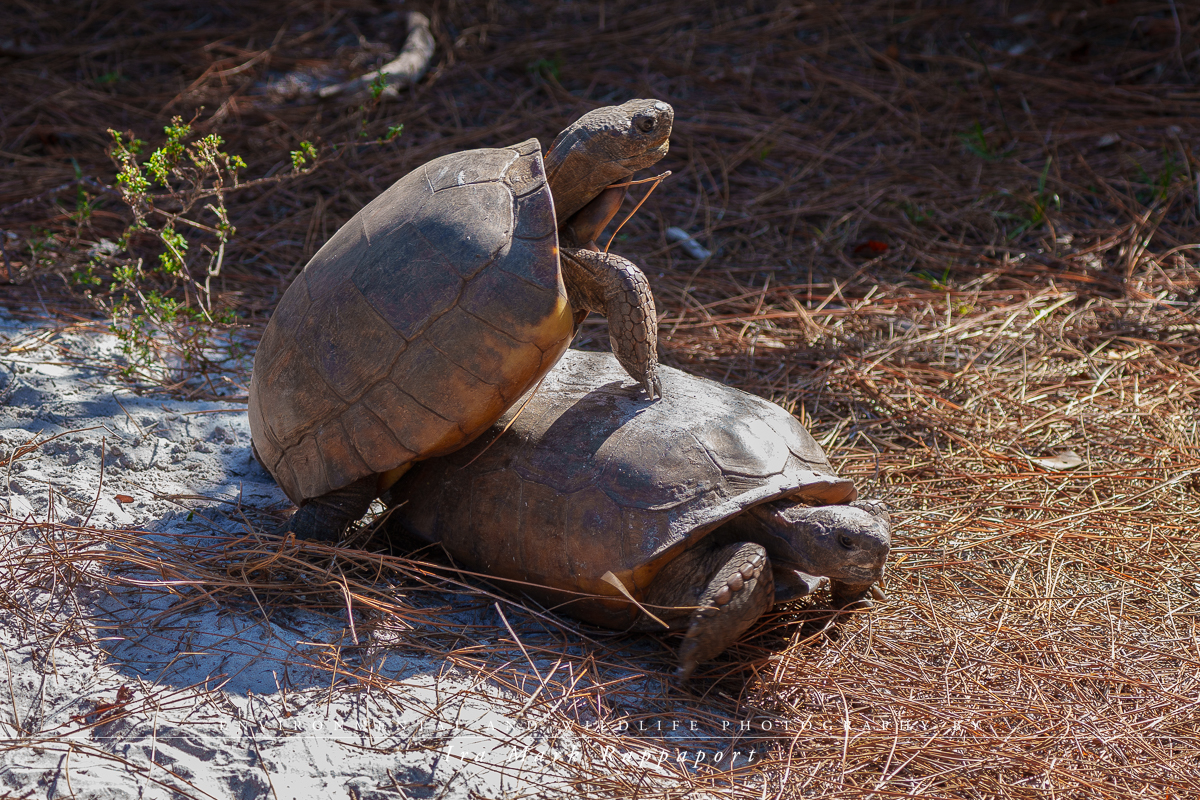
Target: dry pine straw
x,y
1041,636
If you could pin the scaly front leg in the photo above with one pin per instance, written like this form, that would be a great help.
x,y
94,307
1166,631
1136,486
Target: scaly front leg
x,y
730,588
615,287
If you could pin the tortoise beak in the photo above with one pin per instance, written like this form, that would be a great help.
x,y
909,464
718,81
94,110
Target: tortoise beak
x,y
847,574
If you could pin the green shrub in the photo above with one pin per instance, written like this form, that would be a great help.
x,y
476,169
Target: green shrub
x,y
159,292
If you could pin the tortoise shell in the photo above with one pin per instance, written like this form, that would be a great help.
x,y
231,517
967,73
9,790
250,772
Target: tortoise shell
x,y
424,317
591,477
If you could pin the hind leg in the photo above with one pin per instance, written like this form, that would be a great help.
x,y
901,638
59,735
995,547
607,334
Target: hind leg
x,y
326,518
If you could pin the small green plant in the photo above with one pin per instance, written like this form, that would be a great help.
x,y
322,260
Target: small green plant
x,y
160,271
191,171
1158,187
42,247
976,143
547,67
369,108
87,276
378,85
915,213
393,132
1033,211
302,156
85,204
938,283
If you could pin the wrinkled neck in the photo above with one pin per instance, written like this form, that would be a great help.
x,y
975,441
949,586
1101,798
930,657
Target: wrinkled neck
x,y
576,176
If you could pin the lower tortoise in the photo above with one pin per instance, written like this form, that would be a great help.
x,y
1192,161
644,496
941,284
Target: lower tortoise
x,y
699,512
440,303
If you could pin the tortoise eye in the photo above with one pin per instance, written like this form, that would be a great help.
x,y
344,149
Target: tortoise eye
x,y
645,124
846,542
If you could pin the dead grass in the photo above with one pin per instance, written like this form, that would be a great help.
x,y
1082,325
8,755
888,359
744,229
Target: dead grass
x,y
954,238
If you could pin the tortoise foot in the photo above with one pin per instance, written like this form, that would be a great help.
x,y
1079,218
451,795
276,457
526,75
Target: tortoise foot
x,y
326,518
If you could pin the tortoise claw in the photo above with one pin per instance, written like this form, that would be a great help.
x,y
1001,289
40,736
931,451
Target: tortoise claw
x,y
653,384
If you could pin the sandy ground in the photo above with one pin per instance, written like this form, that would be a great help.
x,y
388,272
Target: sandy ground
x,y
208,700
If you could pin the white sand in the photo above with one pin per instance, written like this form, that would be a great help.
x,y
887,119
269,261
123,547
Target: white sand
x,y
220,700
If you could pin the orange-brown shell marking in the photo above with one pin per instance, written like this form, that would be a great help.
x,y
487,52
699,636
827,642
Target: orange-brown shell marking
x,y
416,325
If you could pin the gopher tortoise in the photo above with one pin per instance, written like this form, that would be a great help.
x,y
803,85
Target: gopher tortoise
x,y
701,510
440,303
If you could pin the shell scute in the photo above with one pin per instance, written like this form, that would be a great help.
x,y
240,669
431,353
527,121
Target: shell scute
x,y
306,463
408,281
467,225
373,439
335,260
593,548
418,429
743,445
491,297
278,336
544,545
526,175
342,462
588,425
307,402
535,219
379,224
432,379
528,147
286,476
484,350
661,474
800,442
534,261
333,333
466,168
491,491
266,447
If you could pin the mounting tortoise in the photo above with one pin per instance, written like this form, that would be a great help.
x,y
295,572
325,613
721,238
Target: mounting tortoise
x,y
440,303
703,509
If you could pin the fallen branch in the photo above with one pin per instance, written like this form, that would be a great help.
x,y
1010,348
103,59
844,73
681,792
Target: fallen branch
x,y
405,69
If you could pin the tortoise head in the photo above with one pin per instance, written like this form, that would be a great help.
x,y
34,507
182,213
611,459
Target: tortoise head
x,y
604,147
847,544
